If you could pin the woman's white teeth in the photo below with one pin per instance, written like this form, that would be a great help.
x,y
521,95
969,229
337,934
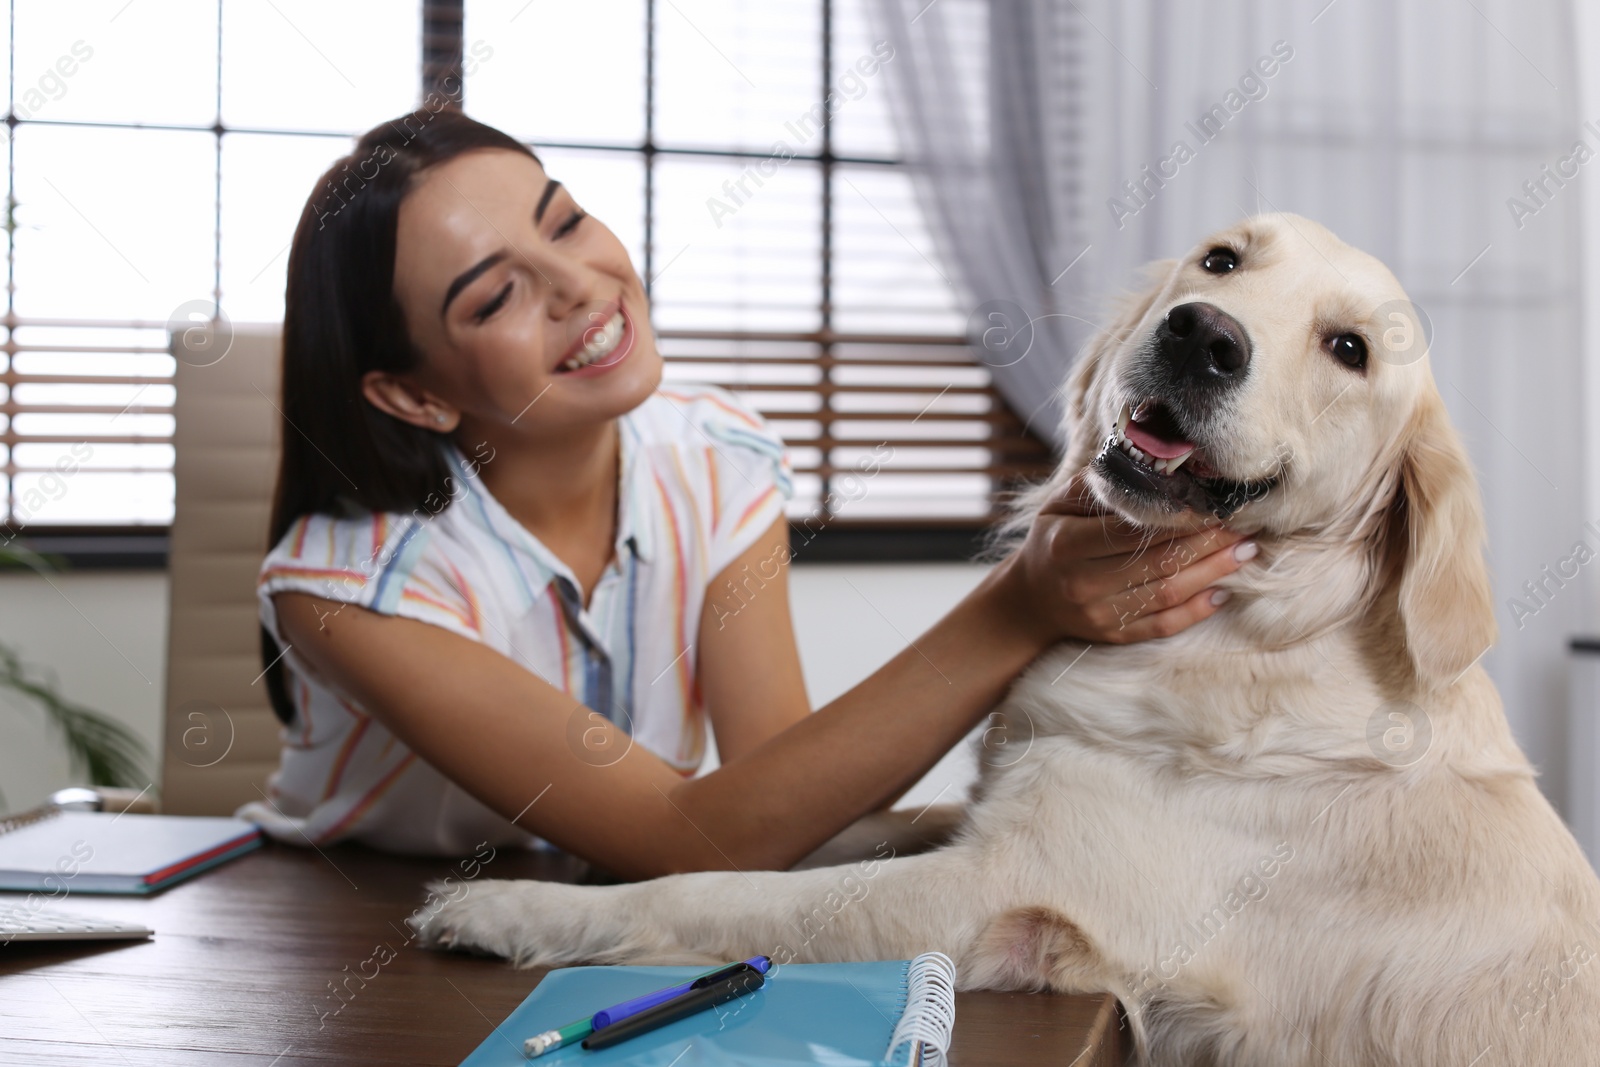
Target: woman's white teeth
x,y
599,342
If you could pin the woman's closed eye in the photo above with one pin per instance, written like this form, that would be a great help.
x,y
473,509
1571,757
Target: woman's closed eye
x,y
569,225
493,305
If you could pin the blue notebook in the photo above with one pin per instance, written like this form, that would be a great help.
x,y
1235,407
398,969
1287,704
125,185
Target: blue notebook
x,y
889,1012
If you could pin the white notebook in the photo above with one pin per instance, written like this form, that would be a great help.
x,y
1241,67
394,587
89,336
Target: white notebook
x,y
95,852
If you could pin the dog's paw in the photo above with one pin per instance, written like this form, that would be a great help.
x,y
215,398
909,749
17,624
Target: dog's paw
x,y
500,918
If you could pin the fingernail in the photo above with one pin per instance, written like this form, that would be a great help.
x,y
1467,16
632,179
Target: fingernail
x,y
1220,597
1245,550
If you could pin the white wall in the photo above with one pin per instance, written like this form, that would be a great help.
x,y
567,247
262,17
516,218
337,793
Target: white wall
x,y
851,618
1582,807
1588,45
103,636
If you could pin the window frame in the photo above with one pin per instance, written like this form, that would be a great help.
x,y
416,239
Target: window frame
x,y
92,546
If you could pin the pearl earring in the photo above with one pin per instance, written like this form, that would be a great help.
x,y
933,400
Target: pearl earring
x,y
439,418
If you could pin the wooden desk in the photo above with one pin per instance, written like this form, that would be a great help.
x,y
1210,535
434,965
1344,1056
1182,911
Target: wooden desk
x,y
245,958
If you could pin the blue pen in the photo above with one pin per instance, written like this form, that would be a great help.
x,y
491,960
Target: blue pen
x,y
618,1012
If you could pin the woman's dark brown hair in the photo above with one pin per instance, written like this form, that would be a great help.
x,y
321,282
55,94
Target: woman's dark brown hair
x,y
341,320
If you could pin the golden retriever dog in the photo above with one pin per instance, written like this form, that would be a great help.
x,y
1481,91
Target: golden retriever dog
x,y
1297,833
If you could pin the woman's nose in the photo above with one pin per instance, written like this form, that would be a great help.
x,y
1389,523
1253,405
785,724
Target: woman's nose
x,y
570,283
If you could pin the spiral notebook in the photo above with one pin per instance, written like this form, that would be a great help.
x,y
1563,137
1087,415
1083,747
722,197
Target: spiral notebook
x,y
888,1013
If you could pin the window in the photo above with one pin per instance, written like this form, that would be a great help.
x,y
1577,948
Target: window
x,y
159,158
785,255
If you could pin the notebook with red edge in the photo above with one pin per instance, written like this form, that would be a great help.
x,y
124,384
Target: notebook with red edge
x,y
96,852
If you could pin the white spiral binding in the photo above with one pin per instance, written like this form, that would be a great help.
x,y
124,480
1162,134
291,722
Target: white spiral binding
x,y
930,1013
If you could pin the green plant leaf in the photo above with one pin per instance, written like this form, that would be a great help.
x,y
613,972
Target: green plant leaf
x,y
101,748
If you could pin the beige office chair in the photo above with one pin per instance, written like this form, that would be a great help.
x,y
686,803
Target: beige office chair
x,y
221,735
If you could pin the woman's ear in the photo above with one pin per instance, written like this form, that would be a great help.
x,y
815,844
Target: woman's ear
x,y
1445,603
408,402
1079,392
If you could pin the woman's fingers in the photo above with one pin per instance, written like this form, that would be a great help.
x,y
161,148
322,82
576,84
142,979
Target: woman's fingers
x,y
1157,563
1075,498
1097,536
1087,531
1180,586
1176,619
1104,573
1090,575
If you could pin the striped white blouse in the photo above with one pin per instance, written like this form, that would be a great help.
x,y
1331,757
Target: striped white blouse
x,y
702,477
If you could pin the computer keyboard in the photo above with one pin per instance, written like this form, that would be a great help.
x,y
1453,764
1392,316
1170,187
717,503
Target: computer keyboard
x,y
42,924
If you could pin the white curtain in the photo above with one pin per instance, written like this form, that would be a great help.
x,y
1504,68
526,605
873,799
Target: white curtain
x,y
1097,135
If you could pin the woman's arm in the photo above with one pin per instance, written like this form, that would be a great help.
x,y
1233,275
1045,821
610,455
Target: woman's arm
x,y
745,656
1090,566
507,737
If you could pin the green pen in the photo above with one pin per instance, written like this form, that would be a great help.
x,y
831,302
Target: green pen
x,y
551,1040
572,1033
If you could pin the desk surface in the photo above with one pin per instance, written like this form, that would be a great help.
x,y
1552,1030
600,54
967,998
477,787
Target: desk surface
x,y
245,960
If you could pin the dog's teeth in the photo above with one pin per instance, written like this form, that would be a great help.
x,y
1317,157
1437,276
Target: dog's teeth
x,y
1122,421
1141,411
1177,461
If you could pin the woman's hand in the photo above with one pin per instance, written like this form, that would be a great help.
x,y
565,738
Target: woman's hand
x,y
1086,574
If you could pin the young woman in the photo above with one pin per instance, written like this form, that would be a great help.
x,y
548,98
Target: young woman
x,y
512,573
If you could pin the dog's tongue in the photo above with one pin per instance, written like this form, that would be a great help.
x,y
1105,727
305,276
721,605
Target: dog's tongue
x,y
1158,447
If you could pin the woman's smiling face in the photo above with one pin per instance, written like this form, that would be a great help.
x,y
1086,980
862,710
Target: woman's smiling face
x,y
528,313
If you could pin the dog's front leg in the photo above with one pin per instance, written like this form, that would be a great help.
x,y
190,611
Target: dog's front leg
x,y
881,908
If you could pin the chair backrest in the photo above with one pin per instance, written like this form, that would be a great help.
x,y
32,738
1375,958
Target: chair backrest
x,y
221,735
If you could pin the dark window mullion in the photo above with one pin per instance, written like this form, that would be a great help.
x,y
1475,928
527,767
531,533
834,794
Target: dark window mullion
x,y
672,150
217,130
8,470
649,146
442,22
825,352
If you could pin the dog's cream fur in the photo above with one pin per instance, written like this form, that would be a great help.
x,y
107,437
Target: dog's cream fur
x,y
1210,825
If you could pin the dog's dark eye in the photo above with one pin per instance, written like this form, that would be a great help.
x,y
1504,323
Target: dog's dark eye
x,y
1351,350
1219,261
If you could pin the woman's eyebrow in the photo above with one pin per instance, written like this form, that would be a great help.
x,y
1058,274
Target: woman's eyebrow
x,y
467,277
544,200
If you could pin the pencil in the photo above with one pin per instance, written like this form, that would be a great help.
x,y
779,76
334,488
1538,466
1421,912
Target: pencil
x,y
551,1040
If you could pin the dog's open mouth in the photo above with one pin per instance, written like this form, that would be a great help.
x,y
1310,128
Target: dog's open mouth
x,y
1150,455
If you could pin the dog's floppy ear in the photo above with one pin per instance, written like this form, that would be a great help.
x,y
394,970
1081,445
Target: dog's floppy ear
x,y
1083,438
1445,604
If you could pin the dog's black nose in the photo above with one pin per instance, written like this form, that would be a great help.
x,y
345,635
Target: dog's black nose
x,y
1203,343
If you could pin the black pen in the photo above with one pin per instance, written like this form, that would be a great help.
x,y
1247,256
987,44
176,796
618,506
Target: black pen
x,y
727,972
690,1003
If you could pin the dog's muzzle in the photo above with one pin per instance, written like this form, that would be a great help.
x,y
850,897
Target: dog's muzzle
x,y
1151,457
